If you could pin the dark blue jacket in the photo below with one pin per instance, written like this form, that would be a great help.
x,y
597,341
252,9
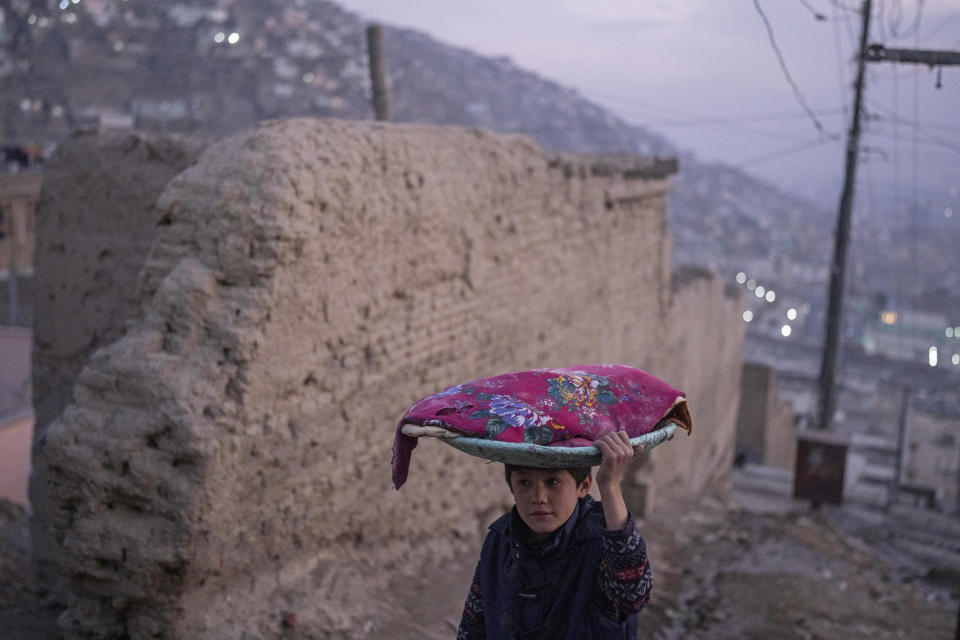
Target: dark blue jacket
x,y
584,582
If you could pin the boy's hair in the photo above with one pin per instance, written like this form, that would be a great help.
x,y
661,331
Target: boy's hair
x,y
579,473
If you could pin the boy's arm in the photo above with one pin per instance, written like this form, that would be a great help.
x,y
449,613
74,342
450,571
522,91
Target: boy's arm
x,y
625,578
616,455
472,624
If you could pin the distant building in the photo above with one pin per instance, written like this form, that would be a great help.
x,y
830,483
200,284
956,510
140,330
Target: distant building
x,y
931,456
914,336
765,431
101,118
18,204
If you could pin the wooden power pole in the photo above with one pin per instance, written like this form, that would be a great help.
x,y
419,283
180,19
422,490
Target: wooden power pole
x,y
873,53
893,491
828,364
931,58
378,73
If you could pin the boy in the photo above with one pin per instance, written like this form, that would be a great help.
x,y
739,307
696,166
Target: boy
x,y
560,565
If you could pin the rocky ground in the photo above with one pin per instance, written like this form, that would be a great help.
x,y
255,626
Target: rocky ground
x,y
763,566
770,567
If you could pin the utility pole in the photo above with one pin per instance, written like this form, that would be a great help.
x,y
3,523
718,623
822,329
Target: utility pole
x,y
378,73
931,57
894,489
873,53
828,364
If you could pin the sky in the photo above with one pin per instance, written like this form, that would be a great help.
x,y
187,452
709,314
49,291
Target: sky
x,y
705,74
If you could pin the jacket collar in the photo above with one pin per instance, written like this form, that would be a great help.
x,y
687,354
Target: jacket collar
x,y
510,525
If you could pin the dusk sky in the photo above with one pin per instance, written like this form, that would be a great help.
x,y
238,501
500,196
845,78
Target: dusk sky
x,y
704,73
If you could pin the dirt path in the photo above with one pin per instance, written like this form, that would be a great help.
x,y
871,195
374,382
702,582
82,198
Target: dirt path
x,y
762,567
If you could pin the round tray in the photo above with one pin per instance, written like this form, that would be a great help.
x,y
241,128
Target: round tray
x,y
536,455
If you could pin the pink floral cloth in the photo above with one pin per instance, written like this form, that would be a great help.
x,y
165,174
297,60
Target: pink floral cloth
x,y
569,407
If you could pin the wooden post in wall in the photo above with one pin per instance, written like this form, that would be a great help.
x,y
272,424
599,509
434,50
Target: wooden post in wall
x,y
378,73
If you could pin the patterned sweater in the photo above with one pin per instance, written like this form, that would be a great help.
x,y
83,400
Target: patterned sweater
x,y
584,582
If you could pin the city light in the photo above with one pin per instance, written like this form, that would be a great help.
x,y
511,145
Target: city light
x,y
741,277
932,355
759,291
308,77
948,212
747,315
771,296
785,331
955,359
751,284
949,332
64,4
234,38
888,317
791,314
220,37
32,19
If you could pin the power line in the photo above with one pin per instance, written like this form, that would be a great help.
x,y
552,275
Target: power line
x,y
612,128
939,144
843,7
756,117
914,156
783,153
783,67
930,138
816,14
841,74
715,123
893,24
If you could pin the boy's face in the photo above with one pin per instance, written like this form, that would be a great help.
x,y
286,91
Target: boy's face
x,y
546,498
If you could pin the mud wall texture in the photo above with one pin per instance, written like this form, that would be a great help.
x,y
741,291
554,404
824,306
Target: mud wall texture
x,y
96,221
225,464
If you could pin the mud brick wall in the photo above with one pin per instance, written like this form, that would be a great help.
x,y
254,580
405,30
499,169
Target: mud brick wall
x,y
96,221
228,458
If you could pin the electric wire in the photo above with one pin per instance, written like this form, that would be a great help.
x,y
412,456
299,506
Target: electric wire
x,y
841,69
928,137
816,14
783,67
914,156
895,182
782,153
844,7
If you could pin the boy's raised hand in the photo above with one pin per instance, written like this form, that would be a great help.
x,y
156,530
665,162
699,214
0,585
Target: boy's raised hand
x,y
617,454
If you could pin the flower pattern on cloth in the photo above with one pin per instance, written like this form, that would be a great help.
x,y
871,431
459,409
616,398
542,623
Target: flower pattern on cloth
x,y
555,407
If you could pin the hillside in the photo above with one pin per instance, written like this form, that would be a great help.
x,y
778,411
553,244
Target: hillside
x,y
211,67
